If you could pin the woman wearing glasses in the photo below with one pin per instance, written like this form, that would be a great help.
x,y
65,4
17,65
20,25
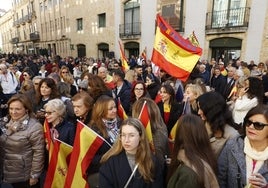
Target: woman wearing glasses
x,y
55,115
244,159
130,163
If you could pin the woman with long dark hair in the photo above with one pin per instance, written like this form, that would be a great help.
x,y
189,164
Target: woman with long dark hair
x,y
169,108
218,119
193,164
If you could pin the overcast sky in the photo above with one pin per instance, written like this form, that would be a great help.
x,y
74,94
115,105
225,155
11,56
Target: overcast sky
x,y
5,4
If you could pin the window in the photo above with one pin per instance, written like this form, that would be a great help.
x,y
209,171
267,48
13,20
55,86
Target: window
x,y
173,14
228,13
132,17
102,20
79,24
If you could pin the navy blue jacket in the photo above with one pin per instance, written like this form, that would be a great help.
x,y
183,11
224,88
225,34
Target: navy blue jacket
x,y
124,95
115,172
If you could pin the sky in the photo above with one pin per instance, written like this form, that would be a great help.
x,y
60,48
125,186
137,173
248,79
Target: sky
x,y
5,4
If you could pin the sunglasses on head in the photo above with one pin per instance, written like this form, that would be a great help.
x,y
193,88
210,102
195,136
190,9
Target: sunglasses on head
x,y
256,125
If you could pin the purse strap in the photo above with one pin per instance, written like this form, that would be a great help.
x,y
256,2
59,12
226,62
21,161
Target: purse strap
x,y
132,174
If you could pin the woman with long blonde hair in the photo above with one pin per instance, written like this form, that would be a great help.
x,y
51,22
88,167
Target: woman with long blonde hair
x,y
130,163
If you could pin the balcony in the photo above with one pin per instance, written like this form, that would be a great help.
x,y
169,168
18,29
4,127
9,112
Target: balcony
x,y
34,36
228,21
15,40
130,30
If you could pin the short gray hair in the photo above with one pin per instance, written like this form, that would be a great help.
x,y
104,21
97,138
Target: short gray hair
x,y
58,105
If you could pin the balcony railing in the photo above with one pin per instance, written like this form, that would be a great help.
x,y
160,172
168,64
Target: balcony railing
x,y
24,19
15,40
228,18
130,29
34,36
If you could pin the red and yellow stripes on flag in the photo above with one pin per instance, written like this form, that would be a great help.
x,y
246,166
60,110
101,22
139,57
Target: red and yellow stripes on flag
x,y
144,54
58,165
186,110
120,110
86,144
48,139
193,39
172,53
123,58
145,119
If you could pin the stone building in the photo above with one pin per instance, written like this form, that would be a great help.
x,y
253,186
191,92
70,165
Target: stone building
x,y
226,29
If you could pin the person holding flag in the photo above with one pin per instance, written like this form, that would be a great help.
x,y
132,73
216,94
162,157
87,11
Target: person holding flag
x,y
104,122
130,163
169,108
158,127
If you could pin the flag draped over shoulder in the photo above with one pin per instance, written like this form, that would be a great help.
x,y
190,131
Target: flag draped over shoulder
x,y
186,110
172,53
58,165
145,119
86,144
120,110
123,58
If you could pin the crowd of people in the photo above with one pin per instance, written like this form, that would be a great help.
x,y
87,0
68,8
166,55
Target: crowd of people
x,y
211,131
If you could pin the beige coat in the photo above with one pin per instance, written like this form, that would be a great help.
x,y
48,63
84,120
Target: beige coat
x,y
23,150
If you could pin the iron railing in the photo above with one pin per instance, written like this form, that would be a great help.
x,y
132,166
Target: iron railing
x,y
238,17
130,29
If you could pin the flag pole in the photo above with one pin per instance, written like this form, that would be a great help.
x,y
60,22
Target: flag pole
x,y
143,106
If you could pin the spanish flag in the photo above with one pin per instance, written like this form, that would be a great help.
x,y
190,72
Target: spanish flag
x,y
193,39
172,53
186,110
48,139
123,58
86,144
145,119
58,166
120,110
143,54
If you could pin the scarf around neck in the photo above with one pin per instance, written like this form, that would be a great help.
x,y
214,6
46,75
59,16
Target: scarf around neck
x,y
112,129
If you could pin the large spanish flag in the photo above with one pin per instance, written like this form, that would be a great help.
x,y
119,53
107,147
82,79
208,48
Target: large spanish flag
x,y
58,166
145,119
172,53
120,110
123,58
86,144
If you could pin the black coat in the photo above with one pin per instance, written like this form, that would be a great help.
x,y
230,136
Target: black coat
x,y
124,95
115,172
175,112
66,132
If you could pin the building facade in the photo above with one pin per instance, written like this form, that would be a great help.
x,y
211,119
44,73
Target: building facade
x,y
226,29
